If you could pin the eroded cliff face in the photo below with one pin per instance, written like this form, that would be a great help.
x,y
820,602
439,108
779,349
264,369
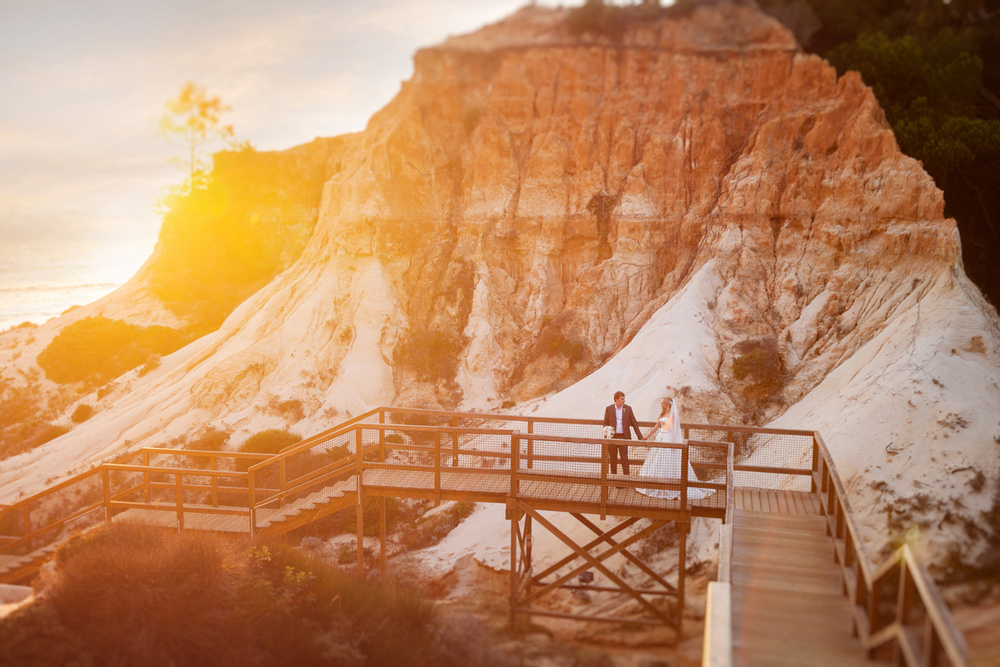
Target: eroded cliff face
x,y
533,202
530,203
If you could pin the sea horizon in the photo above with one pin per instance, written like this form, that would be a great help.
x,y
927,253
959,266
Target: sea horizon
x,y
43,275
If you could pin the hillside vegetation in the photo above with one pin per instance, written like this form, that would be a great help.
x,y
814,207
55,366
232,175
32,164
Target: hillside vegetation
x,y
224,239
137,595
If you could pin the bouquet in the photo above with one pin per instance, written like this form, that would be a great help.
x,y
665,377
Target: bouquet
x,y
609,432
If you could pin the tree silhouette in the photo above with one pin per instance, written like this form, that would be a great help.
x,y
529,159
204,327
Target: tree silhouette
x,y
193,118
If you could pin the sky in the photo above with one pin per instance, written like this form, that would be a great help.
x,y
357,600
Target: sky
x,y
83,84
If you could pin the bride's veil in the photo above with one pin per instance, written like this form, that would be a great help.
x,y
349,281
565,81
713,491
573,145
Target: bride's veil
x,y
675,434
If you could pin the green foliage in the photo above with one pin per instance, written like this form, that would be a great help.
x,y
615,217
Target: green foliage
x,y
431,354
22,419
935,67
210,439
759,360
929,90
291,409
82,413
271,441
193,118
760,369
431,530
597,19
249,220
134,594
552,342
97,349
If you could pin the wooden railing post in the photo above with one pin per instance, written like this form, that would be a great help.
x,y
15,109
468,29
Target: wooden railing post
x,y
145,475
281,482
684,477
604,480
215,482
252,501
531,444
815,465
437,465
360,507
180,501
515,455
106,480
454,442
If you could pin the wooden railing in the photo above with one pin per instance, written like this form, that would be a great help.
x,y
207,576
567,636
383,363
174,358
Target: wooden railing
x,y
915,626
717,646
897,607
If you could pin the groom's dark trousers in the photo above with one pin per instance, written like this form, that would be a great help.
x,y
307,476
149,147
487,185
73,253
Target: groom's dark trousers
x,y
628,422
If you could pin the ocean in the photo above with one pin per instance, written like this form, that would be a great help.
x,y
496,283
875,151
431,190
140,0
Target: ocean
x,y
44,274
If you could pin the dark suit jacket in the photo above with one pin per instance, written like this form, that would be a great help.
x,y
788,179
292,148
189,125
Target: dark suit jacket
x,y
628,420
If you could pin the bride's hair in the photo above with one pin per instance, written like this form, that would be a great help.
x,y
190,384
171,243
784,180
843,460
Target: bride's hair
x,y
670,402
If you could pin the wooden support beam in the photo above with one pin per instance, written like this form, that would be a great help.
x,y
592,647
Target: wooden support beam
x,y
595,563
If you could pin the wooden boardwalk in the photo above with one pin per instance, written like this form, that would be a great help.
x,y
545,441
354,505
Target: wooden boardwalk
x,y
788,605
795,588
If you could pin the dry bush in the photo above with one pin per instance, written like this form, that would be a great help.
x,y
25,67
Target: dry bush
x,y
133,594
430,531
271,441
82,413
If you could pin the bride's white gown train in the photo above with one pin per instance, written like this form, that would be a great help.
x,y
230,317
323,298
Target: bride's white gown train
x,y
665,462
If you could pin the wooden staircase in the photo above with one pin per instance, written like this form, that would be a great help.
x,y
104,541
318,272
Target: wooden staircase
x,y
788,604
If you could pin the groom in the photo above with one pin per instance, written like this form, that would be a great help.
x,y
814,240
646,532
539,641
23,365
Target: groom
x,y
620,417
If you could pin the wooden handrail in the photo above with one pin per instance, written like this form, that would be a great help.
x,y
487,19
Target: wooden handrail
x,y
717,645
859,575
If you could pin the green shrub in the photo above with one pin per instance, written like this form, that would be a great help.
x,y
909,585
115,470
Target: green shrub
x,y
759,361
210,439
220,243
271,441
82,413
597,19
98,349
430,354
292,409
132,594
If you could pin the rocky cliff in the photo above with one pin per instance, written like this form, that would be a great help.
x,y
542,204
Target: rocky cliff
x,y
699,207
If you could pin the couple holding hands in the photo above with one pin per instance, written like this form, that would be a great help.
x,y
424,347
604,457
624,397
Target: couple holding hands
x,y
662,462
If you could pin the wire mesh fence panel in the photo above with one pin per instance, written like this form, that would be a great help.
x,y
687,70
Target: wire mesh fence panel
x,y
761,456
52,516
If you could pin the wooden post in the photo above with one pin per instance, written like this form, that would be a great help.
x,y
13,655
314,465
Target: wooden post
x,y
145,474
684,477
360,514
252,501
932,643
437,466
604,481
454,442
107,494
215,482
180,501
515,456
531,444
815,465
281,482
681,572
381,536
514,578
527,550
360,508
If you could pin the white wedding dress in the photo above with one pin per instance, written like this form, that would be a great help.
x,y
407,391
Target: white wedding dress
x,y
665,462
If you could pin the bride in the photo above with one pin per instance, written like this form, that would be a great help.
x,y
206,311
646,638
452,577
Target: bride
x,y
665,462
